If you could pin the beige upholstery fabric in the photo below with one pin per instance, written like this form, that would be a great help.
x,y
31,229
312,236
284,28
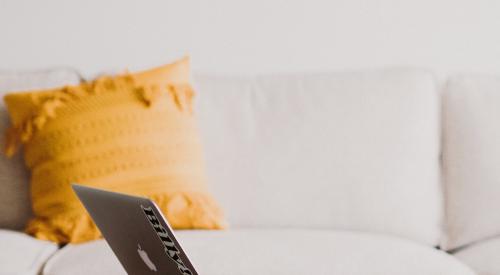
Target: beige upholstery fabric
x,y
21,254
277,252
483,257
471,159
15,206
355,151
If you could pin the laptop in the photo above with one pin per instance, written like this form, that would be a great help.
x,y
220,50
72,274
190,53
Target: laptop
x,y
136,231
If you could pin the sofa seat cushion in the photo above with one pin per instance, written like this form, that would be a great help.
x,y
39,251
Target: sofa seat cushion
x,y
22,254
290,252
483,257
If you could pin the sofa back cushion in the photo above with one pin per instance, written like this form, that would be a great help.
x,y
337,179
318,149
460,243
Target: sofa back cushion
x,y
471,154
15,207
357,151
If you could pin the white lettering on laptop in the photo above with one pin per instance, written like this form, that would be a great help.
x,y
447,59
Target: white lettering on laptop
x,y
170,249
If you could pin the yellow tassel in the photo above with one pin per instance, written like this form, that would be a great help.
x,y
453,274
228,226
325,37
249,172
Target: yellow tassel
x,y
183,96
150,94
11,141
175,96
185,210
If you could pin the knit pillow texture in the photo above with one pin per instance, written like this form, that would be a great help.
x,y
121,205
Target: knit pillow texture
x,y
131,133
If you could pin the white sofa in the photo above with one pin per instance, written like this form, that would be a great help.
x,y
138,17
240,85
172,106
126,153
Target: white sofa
x,y
337,173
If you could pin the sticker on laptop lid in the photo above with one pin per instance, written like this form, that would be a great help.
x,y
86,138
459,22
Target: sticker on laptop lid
x,y
170,248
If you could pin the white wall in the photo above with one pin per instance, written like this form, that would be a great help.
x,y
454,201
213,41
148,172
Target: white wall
x,y
253,36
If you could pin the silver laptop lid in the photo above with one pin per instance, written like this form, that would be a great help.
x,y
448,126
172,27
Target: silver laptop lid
x,y
136,231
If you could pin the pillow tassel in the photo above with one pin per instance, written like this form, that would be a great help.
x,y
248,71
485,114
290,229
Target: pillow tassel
x,y
11,142
184,210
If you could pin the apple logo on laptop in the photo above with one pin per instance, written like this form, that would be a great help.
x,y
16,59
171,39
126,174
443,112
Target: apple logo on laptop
x,y
145,258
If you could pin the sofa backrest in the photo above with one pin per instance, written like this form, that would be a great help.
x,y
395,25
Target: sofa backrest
x,y
15,207
357,151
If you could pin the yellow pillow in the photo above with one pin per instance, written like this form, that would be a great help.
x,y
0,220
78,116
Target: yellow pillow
x,y
131,133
